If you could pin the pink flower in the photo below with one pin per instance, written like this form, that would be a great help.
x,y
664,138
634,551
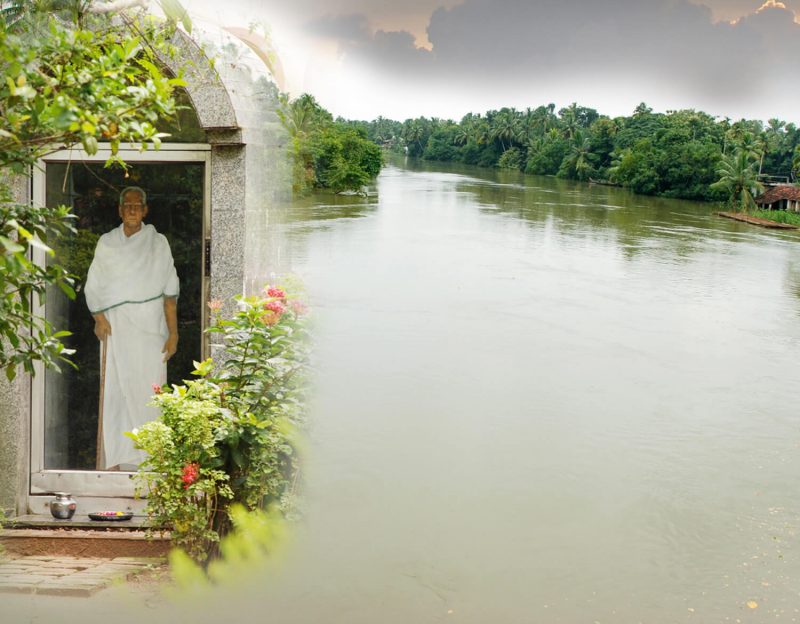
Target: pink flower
x,y
215,305
274,291
275,306
190,474
298,307
275,310
156,389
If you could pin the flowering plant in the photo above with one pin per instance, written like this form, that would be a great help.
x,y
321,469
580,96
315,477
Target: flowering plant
x,y
230,436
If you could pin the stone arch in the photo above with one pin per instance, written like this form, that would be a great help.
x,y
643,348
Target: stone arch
x,y
207,92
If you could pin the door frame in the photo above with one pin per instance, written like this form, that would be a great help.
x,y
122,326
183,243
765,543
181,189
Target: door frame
x,y
104,489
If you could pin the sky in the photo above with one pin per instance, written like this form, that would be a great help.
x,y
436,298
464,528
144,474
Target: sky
x,y
444,58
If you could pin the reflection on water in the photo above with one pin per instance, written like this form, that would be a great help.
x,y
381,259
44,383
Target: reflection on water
x,y
540,401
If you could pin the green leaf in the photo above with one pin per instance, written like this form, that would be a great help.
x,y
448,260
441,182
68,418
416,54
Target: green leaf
x,y
174,11
35,242
11,246
150,67
69,291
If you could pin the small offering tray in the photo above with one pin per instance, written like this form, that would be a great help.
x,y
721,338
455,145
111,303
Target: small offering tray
x,y
111,516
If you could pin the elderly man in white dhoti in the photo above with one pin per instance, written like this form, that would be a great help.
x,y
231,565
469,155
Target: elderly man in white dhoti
x,y
131,290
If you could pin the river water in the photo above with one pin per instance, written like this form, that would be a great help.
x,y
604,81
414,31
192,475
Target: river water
x,y
544,401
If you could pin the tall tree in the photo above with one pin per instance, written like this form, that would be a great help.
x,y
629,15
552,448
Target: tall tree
x,y
737,177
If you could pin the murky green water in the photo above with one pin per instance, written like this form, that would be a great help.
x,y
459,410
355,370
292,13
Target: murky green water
x,y
546,402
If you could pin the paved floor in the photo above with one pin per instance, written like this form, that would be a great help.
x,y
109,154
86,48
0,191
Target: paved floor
x,y
68,576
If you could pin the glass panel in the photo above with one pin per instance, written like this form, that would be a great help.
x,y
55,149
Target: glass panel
x,y
175,201
186,127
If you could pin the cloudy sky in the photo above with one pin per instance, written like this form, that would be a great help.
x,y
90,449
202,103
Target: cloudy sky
x,y
444,58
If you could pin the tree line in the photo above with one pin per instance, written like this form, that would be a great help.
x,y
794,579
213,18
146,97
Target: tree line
x,y
683,154
328,154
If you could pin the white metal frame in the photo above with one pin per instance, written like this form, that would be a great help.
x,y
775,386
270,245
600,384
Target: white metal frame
x,y
100,486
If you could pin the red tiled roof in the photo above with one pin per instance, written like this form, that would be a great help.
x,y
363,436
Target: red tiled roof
x,y
777,193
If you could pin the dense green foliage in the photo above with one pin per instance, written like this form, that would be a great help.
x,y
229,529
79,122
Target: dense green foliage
x,y
328,154
675,154
71,77
227,438
781,216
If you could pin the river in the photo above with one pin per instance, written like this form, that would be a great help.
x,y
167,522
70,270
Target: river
x,y
536,401
545,401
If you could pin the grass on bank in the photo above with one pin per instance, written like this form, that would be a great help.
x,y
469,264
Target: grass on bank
x,y
779,216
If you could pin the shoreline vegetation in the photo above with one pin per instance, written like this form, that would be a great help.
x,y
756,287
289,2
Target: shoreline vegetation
x,y
753,219
778,216
328,154
684,154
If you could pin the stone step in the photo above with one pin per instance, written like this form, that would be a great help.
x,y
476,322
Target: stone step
x,y
101,542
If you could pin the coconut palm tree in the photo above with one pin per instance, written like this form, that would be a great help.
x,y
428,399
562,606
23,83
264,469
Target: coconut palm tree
x,y
738,178
579,159
796,161
569,120
725,125
775,125
463,133
413,132
763,143
505,127
750,145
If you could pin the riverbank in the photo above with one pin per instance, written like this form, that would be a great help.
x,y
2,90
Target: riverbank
x,y
761,222
676,154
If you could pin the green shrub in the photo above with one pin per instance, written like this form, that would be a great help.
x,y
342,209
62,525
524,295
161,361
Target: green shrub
x,y
229,437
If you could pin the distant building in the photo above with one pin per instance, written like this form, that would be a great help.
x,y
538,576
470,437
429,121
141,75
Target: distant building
x,y
780,197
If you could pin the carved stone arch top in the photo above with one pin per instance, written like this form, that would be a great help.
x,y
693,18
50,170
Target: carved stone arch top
x,y
208,95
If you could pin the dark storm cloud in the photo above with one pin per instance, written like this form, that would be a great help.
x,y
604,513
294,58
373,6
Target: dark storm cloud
x,y
558,34
397,48
347,28
672,48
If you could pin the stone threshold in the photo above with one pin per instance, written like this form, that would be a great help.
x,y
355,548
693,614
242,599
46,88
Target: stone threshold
x,y
69,576
77,541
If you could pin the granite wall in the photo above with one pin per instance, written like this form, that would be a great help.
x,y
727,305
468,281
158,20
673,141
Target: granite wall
x,y
14,417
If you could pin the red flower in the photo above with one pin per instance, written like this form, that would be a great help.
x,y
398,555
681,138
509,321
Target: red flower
x,y
274,291
191,472
156,389
275,310
275,306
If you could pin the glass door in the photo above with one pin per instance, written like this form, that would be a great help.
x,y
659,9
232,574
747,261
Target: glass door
x,y
69,426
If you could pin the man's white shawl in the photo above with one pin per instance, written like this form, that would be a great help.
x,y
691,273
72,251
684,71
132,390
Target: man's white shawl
x,y
127,282
130,269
